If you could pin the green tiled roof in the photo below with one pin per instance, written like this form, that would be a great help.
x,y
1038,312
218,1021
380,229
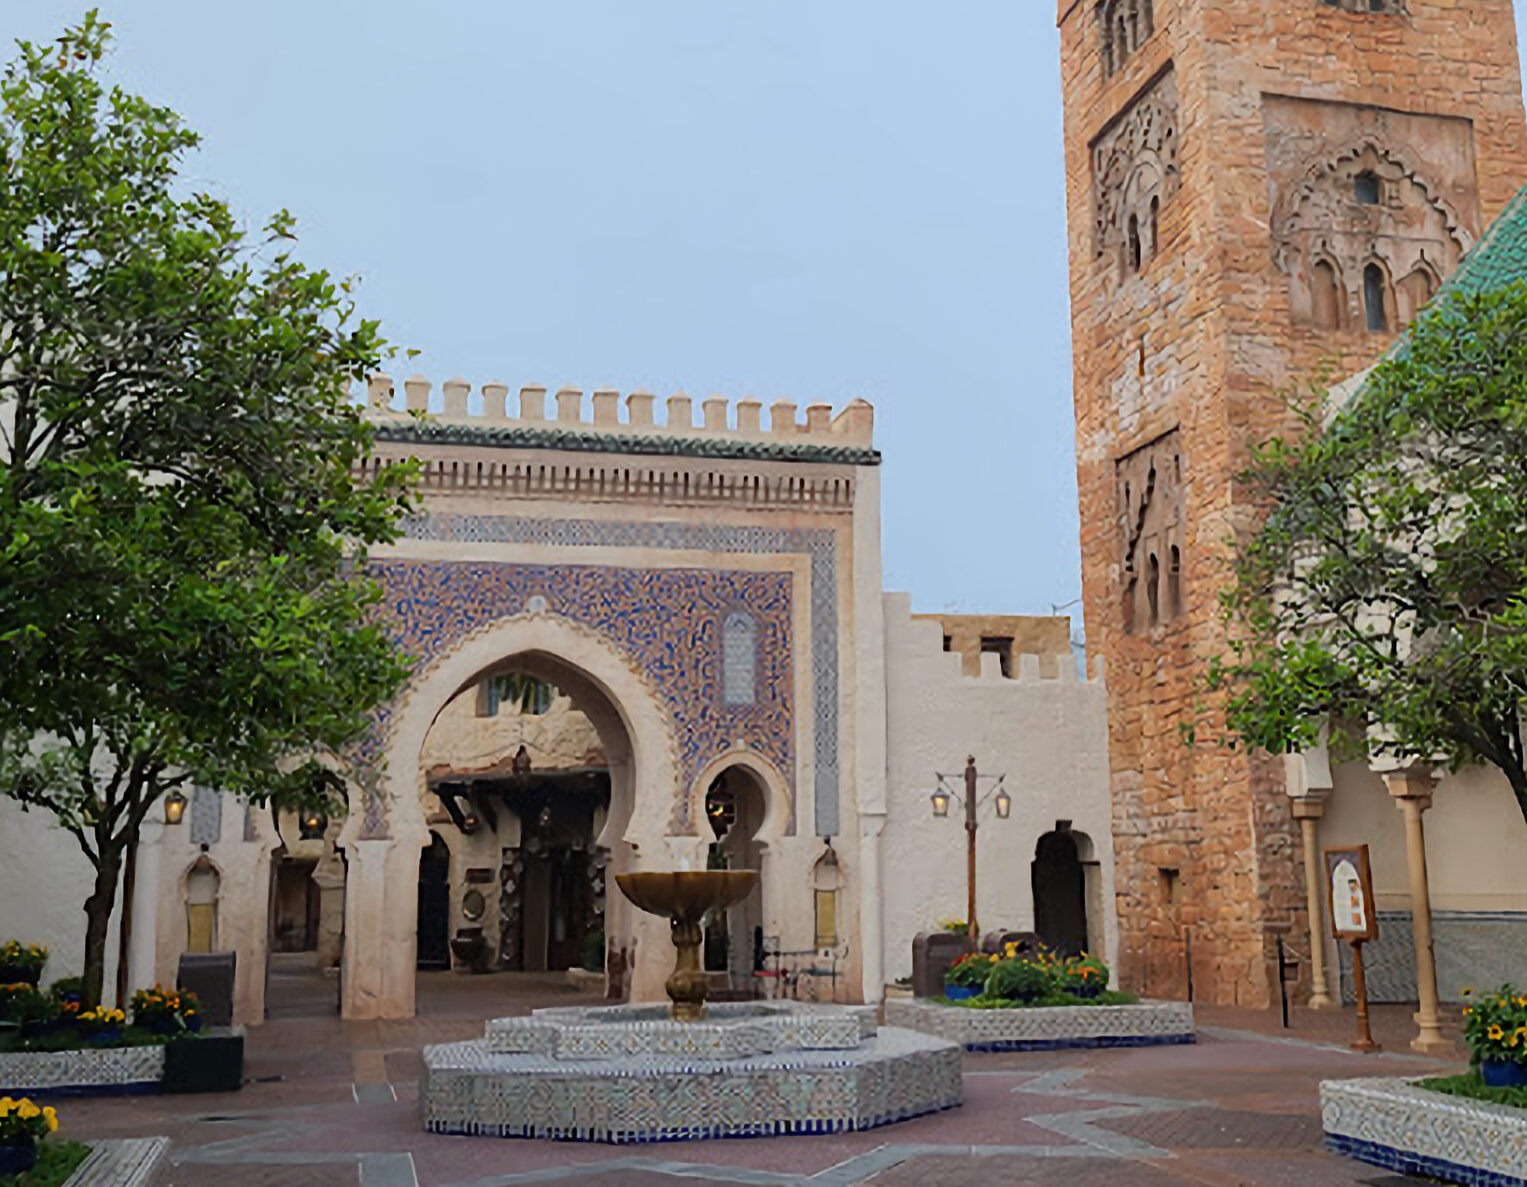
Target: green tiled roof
x,y
427,432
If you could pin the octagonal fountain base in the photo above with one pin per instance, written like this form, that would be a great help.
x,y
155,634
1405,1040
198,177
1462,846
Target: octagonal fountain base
x,y
624,1074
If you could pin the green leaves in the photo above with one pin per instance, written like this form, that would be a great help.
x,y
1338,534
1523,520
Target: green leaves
x,y
182,516
1387,588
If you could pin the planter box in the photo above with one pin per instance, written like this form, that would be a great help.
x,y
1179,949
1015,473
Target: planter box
x,y
83,1071
212,1063
1393,1124
131,1162
1047,1028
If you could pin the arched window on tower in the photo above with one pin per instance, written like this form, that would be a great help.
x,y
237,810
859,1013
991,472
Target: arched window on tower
x,y
1153,588
1134,243
1155,224
1414,292
1365,188
1375,299
1174,583
1327,302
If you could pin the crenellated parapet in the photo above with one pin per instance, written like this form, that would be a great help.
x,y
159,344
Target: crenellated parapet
x,y
606,422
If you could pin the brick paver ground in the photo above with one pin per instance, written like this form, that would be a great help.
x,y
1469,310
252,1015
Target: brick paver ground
x,y
332,1104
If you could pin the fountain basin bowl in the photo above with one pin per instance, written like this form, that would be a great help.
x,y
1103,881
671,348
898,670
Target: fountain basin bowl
x,y
686,894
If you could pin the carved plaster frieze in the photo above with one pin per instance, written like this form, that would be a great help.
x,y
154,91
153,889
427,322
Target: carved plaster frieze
x,y
1134,164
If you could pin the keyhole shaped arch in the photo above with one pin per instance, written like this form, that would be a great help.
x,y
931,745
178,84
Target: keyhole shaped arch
x,y
645,827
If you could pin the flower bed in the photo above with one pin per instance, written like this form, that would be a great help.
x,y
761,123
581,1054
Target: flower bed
x,y
994,1027
1415,1130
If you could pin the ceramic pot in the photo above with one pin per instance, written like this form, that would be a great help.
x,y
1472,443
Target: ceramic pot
x,y
960,993
1503,1073
16,1160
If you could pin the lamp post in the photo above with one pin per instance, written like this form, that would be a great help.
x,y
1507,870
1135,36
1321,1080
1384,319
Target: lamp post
x,y
972,801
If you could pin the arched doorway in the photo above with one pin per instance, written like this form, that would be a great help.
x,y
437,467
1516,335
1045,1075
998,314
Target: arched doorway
x,y
434,951
735,804
1060,892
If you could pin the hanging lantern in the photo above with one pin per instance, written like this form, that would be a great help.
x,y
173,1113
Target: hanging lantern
x,y
174,808
940,800
311,825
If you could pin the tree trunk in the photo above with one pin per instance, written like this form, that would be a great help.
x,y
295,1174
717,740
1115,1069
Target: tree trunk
x,y
98,921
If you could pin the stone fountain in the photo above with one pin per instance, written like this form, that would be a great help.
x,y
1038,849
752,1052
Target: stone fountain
x,y
646,1072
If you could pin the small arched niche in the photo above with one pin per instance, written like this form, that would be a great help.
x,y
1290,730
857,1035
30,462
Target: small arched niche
x,y
203,884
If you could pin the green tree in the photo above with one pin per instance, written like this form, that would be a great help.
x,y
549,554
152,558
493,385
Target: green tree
x,y
1386,593
182,520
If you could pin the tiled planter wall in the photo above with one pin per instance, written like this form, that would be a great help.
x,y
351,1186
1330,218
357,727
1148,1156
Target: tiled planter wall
x,y
1044,1029
84,1071
1393,1124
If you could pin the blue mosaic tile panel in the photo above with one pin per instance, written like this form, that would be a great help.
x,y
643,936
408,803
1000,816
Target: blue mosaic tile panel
x,y
666,623
84,1071
819,545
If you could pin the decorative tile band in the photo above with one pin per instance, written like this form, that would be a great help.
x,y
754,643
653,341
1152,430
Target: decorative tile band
x,y
1391,1123
83,1071
1047,1028
1407,1163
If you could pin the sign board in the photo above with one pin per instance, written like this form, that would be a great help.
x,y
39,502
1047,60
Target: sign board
x,y
1349,884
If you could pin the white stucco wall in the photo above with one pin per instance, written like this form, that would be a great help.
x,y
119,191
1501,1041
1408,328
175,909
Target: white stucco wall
x,y
44,881
1049,736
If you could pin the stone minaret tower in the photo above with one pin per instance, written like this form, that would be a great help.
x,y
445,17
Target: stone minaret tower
x,y
1257,189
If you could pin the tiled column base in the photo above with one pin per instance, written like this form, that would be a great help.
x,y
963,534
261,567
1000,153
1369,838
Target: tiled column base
x,y
1047,1028
1393,1124
471,1089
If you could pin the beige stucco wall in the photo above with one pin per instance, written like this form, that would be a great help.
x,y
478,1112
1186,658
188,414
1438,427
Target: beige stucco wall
x,y
44,881
559,739
1048,736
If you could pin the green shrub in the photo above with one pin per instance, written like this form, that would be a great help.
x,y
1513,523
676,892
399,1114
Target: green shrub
x,y
593,952
1018,981
970,971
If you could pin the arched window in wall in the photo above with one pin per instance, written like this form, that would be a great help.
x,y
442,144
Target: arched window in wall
x,y
1124,25
1415,291
1153,587
1365,188
1174,583
1134,243
739,659
1327,302
1155,224
1375,299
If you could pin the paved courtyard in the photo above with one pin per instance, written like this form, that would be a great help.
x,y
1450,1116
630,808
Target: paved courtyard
x,y
334,1104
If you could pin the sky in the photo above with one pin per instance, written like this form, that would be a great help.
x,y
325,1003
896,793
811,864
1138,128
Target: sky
x,y
803,201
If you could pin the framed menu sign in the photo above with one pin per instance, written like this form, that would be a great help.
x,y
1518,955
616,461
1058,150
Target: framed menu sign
x,y
1350,886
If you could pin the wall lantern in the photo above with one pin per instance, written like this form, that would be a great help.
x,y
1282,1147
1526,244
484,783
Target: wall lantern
x,y
174,808
311,825
940,803
1003,803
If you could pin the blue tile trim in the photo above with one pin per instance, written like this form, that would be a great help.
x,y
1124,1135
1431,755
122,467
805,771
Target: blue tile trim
x,y
1408,1163
630,1137
1082,1044
136,1088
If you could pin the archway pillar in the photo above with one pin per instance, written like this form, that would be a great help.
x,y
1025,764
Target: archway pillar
x,y
381,918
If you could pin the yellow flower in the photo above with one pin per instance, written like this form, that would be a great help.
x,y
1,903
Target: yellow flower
x,y
28,1110
1495,1033
50,1115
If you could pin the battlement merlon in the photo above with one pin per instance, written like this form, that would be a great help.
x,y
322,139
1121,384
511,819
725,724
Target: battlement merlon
x,y
726,429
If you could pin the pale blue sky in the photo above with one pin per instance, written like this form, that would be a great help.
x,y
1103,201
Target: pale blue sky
x,y
800,201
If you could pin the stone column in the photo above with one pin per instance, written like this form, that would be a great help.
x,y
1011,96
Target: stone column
x,y
145,938
381,923
1412,790
1308,809
871,908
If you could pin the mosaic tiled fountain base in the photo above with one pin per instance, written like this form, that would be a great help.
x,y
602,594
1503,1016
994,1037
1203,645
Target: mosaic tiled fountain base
x,y
629,1074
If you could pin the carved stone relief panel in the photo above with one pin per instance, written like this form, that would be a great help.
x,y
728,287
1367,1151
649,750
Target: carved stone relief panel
x,y
1149,485
1135,174
1371,210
